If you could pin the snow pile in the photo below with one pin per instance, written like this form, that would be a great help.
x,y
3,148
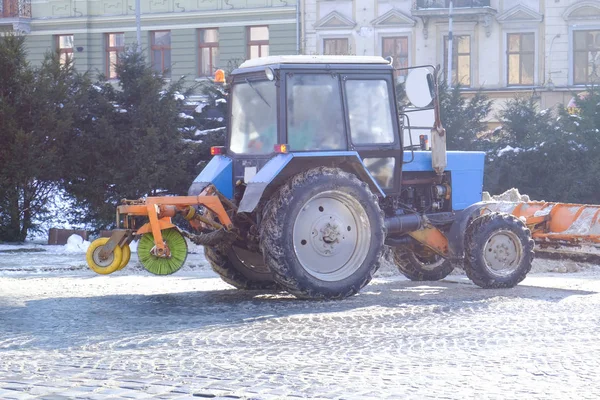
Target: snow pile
x,y
76,244
511,195
508,149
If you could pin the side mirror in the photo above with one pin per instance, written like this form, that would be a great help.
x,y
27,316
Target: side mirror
x,y
419,87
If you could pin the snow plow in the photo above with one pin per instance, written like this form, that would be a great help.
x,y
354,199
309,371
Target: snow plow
x,y
560,230
316,184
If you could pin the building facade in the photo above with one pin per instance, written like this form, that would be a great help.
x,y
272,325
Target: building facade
x,y
546,48
180,37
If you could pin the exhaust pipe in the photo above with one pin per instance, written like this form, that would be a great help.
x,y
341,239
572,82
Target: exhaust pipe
x,y
403,223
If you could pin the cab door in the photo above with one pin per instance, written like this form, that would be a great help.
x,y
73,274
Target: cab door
x,y
373,126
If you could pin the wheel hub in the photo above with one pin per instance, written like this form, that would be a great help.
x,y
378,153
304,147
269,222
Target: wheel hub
x,y
331,235
102,261
503,252
162,253
326,237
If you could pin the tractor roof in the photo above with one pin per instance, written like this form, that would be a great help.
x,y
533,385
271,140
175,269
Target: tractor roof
x,y
301,59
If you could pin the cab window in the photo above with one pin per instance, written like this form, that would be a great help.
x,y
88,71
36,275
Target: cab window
x,y
315,120
382,170
253,118
369,111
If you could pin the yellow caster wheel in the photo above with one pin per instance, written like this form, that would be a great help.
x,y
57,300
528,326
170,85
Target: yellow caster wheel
x,y
103,266
126,257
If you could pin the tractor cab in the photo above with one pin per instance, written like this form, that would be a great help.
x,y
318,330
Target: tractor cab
x,y
292,112
309,104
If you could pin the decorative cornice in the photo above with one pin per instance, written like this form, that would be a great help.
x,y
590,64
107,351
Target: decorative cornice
x,y
172,16
393,17
519,14
334,20
582,10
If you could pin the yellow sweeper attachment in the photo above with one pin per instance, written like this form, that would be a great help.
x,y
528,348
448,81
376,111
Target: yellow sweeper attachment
x,y
162,248
559,230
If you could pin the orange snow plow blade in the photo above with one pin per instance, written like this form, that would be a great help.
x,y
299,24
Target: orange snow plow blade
x,y
559,230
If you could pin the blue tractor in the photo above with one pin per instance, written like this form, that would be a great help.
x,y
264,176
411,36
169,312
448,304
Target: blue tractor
x,y
319,185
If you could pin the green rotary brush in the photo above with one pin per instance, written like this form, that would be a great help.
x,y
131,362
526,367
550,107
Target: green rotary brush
x,y
163,265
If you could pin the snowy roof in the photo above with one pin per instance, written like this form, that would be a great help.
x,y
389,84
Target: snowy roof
x,y
263,61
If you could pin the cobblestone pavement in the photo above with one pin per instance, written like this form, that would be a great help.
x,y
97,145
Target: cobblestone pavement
x,y
135,336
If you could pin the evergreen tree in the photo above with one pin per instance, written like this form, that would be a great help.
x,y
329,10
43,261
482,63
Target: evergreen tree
x,y
131,141
463,118
553,155
208,127
36,124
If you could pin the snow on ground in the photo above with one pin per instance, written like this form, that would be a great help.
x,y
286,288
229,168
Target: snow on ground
x,y
193,336
37,258
34,257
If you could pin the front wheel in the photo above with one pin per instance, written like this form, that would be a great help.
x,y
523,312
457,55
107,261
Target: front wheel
x,y
499,251
421,264
322,234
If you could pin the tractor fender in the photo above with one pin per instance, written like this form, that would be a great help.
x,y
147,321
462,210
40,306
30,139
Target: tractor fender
x,y
456,235
283,166
218,172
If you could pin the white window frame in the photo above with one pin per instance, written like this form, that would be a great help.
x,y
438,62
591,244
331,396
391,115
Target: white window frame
x,y
577,27
474,60
536,55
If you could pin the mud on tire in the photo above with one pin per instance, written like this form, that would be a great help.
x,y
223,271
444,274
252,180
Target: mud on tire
x,y
231,269
322,234
420,266
498,251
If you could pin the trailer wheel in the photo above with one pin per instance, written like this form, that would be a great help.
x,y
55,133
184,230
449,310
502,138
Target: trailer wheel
x,y
103,266
421,265
238,271
322,234
499,251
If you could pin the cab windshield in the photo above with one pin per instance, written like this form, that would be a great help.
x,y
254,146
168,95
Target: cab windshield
x,y
253,117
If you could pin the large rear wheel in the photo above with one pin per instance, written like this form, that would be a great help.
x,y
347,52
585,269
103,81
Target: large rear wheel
x,y
322,234
240,268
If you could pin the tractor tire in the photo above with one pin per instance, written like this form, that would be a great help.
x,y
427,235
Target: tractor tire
x,y
239,274
322,234
498,251
421,266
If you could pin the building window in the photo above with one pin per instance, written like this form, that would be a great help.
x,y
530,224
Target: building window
x,y
336,47
586,57
397,48
64,46
258,41
461,59
520,58
161,52
115,45
208,51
